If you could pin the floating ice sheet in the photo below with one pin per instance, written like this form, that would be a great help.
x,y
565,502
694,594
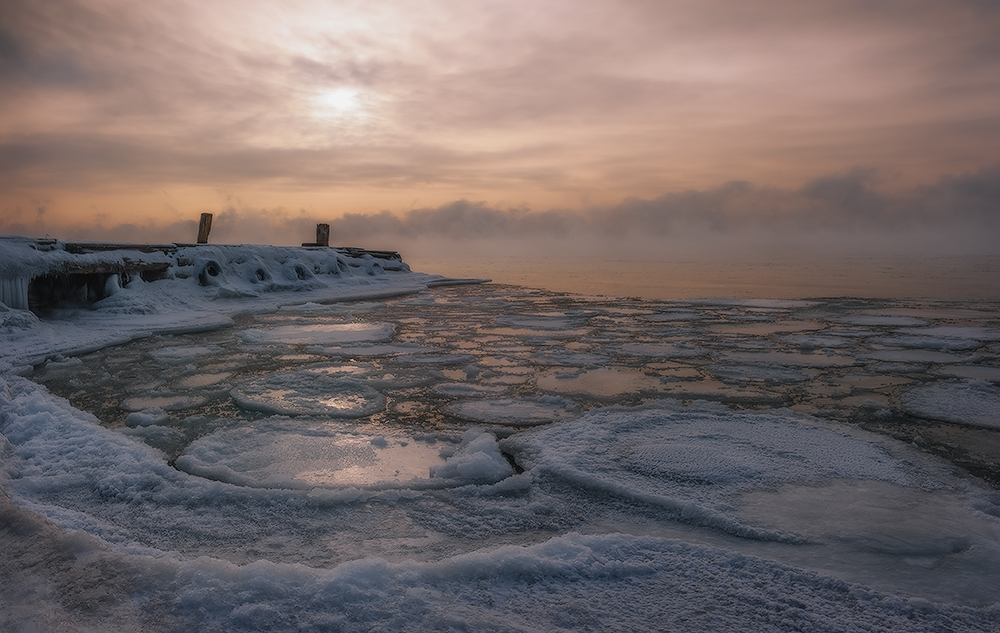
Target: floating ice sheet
x,y
915,356
880,320
273,456
541,322
176,355
956,331
972,402
926,342
320,333
436,359
814,359
979,372
602,382
514,411
374,350
309,393
759,373
466,389
694,461
167,402
679,349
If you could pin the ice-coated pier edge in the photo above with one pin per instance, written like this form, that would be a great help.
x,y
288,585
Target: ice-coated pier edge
x,y
119,292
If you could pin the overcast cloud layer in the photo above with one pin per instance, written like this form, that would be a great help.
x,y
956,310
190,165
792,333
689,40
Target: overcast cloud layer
x,y
126,120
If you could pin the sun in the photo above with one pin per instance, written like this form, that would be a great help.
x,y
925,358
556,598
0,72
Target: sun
x,y
337,102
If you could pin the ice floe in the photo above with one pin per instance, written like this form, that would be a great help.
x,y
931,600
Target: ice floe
x,y
309,393
514,411
972,402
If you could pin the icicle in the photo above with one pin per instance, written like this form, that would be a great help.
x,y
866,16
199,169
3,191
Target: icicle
x,y
14,292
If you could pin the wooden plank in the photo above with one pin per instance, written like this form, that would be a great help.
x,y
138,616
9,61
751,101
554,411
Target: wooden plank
x,y
204,228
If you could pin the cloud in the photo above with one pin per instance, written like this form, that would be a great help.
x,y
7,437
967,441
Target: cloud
x,y
493,101
846,201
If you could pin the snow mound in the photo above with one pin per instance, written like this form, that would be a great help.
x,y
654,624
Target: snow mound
x,y
478,460
147,417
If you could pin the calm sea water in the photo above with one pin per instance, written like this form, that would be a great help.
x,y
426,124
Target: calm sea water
x,y
648,277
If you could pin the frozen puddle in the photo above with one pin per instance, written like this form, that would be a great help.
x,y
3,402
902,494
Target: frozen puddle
x,y
262,457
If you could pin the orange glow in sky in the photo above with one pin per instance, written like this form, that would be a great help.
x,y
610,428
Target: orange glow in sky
x,y
120,114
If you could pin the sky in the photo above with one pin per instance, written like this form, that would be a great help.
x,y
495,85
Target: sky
x,y
488,120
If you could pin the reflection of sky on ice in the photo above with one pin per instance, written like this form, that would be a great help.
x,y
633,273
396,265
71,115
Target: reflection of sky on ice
x,y
689,448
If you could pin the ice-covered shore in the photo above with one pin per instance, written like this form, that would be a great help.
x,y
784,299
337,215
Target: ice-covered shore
x,y
199,288
482,458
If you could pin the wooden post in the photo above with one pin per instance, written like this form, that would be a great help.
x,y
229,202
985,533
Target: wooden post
x,y
322,235
204,228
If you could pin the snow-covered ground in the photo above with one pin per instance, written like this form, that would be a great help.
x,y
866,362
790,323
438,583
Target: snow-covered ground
x,y
351,450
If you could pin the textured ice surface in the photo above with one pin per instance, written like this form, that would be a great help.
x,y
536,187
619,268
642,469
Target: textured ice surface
x,y
183,354
759,373
957,331
464,389
926,342
373,505
147,417
880,320
309,393
916,356
373,350
320,333
973,402
276,455
513,411
602,382
980,372
168,402
436,359
804,359
478,460
680,349
694,461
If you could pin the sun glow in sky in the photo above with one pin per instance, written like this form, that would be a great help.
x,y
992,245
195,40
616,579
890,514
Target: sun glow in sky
x,y
337,101
127,120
